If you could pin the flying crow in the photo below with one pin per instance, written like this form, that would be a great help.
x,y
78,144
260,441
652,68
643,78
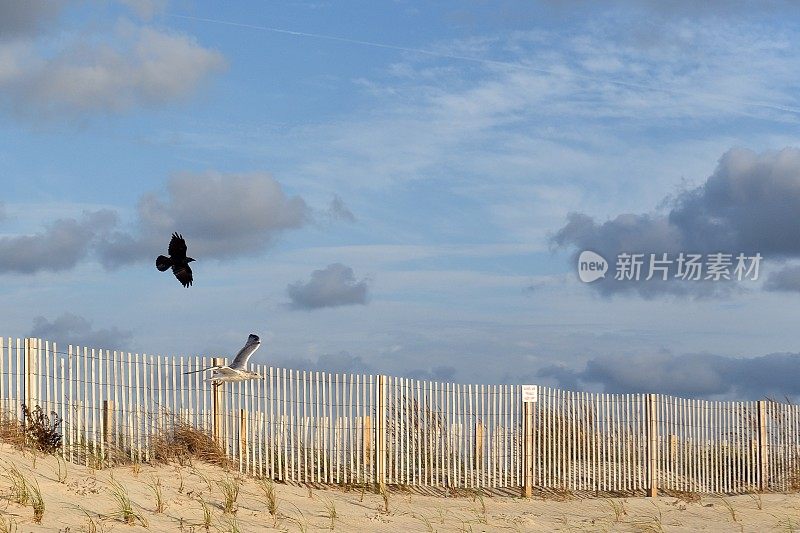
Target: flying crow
x,y
177,260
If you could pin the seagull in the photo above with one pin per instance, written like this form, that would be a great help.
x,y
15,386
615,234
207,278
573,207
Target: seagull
x,y
237,370
177,260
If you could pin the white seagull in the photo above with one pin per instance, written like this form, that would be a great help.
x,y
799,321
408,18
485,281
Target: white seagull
x,y
237,370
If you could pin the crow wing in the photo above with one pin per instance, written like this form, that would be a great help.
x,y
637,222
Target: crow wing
x,y
240,361
183,273
177,247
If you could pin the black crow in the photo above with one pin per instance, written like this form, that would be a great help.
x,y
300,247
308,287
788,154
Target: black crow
x,y
177,260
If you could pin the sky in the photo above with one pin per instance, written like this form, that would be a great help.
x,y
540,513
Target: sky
x,y
404,187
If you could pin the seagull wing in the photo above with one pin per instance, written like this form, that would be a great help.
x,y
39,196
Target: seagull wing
x,y
252,344
223,374
184,274
177,247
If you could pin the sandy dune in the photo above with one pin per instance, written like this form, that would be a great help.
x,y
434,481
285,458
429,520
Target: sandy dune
x,y
84,502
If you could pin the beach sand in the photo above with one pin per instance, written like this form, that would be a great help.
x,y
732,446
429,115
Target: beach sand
x,y
84,501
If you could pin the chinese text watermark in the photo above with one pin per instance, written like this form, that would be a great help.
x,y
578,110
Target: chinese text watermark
x,y
663,266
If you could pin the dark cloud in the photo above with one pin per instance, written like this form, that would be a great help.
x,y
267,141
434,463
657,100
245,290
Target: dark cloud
x,y
222,216
750,204
786,279
76,330
59,247
333,286
338,211
145,67
25,17
341,363
438,373
672,9
346,363
688,375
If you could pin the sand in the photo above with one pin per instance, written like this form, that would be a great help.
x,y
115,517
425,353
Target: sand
x,y
84,502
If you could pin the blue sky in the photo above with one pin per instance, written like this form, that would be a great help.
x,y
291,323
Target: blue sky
x,y
406,167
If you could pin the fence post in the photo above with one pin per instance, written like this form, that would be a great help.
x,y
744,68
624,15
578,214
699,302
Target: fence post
x,y
28,358
380,441
216,406
478,444
367,438
31,362
673,448
652,443
527,448
762,445
243,451
108,409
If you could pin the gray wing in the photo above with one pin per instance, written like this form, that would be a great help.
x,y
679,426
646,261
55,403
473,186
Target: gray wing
x,y
240,361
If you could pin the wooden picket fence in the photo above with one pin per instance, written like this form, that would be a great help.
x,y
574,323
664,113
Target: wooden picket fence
x,y
318,427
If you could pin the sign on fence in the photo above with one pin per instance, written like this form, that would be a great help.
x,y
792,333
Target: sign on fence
x,y
530,393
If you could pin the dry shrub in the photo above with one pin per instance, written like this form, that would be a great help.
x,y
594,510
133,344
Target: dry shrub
x,y
40,431
183,442
793,475
11,431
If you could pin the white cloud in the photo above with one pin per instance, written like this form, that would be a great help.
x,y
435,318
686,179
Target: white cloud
x,y
144,67
221,216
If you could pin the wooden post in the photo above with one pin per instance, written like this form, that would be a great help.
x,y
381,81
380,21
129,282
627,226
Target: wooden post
x,y
367,439
30,373
762,446
242,435
652,444
527,449
478,444
108,410
380,441
27,359
217,406
673,448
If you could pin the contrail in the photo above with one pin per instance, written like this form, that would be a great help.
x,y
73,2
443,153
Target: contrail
x,y
494,62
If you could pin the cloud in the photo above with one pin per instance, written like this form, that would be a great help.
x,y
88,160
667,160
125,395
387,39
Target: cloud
x,y
750,204
338,211
786,279
73,329
345,363
333,286
687,375
19,19
342,363
61,245
145,9
222,216
437,373
141,67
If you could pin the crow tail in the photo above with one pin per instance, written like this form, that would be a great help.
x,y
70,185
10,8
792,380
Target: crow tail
x,y
163,263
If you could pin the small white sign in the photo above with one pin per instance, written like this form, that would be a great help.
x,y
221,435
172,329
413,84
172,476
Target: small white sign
x,y
530,393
